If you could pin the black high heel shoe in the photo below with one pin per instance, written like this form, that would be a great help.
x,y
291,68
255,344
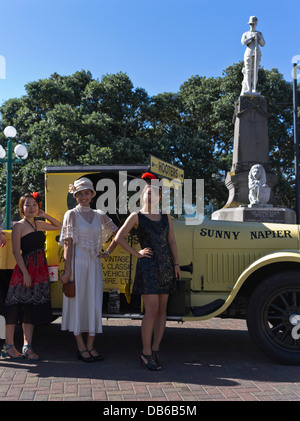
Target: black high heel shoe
x,y
149,362
89,359
155,355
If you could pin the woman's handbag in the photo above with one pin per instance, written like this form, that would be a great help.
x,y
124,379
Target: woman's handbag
x,y
69,288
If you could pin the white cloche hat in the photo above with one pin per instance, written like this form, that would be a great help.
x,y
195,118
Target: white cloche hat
x,y
83,183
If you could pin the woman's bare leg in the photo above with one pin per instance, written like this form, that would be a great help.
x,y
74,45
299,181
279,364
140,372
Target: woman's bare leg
x,y
151,303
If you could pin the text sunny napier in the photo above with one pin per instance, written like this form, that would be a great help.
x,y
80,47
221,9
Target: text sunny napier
x,y
254,235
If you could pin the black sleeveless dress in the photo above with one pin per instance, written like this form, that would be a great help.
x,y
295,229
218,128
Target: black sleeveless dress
x,y
30,304
154,275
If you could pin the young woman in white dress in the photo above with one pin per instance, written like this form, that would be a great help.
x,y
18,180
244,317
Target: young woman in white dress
x,y
83,232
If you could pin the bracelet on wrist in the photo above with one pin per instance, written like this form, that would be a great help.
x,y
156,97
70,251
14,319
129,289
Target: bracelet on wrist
x,y
176,264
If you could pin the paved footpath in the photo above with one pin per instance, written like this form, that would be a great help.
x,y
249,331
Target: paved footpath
x,y
212,360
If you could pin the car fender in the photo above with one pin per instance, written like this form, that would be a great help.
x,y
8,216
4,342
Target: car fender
x,y
275,257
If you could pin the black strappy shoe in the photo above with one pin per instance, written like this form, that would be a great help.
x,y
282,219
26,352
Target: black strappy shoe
x,y
96,357
89,359
149,362
155,355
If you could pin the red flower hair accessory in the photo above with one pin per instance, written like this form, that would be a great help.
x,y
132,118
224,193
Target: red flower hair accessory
x,y
149,176
38,198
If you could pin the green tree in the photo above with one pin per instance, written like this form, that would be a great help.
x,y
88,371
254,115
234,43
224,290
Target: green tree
x,y
68,120
74,120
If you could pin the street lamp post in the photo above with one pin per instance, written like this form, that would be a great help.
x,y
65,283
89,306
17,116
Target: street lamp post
x,y
296,140
21,154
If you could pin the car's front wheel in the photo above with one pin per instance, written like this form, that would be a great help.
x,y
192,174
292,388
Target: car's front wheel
x,y
273,316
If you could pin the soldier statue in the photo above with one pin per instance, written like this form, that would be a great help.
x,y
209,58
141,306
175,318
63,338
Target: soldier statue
x,y
252,39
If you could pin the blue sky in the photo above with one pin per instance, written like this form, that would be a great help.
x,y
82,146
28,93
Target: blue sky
x,y
158,43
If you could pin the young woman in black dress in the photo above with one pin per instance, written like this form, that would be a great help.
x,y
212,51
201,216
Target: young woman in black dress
x,y
157,267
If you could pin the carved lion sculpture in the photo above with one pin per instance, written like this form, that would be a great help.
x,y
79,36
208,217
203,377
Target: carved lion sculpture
x,y
259,191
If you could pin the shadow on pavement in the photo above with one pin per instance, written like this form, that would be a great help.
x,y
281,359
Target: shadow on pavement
x,y
216,357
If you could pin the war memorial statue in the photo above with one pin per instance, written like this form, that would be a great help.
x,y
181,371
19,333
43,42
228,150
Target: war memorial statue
x,y
250,199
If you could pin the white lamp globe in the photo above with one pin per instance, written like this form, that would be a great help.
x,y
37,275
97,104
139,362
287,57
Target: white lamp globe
x,y
10,131
21,151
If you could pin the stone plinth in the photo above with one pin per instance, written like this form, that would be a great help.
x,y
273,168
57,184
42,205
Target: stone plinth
x,y
250,147
257,213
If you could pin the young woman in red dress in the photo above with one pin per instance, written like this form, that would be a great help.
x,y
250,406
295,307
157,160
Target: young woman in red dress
x,y
28,299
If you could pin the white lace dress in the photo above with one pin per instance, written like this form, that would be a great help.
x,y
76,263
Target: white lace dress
x,y
88,229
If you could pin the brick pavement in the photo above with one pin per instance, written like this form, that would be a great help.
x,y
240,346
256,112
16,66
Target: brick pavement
x,y
212,360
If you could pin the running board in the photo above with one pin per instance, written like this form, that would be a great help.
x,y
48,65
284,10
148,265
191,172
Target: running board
x,y
134,316
208,308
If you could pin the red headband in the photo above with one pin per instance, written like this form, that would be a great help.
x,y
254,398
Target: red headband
x,y
37,197
148,175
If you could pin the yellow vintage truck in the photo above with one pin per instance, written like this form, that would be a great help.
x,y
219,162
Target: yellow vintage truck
x,y
229,269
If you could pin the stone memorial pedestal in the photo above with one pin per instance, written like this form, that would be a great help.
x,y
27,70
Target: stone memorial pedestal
x,y
251,147
275,215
